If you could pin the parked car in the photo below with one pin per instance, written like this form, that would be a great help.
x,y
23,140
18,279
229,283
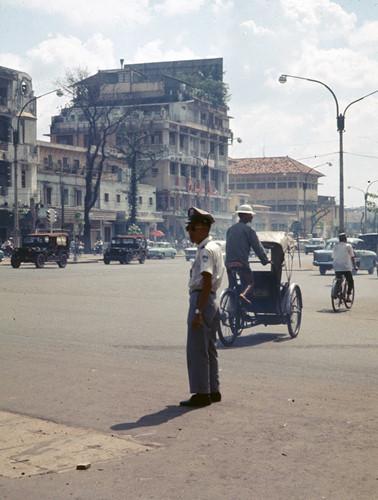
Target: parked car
x,y
126,248
40,248
314,244
161,250
370,240
366,259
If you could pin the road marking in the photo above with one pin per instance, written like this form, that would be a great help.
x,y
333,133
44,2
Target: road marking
x,y
31,446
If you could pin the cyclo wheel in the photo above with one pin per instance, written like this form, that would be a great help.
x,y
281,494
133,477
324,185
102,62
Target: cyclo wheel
x,y
348,305
294,318
229,324
336,295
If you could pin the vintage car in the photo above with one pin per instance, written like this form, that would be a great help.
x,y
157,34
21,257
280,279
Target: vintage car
x,y
161,250
314,244
125,248
190,252
370,240
366,260
40,248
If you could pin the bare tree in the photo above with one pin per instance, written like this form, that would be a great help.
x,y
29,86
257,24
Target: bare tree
x,y
135,141
102,123
318,215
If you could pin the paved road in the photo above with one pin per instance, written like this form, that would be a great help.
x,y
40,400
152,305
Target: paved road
x,y
102,348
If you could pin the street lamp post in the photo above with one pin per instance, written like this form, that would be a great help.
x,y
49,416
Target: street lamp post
x,y
366,195
16,142
329,164
340,121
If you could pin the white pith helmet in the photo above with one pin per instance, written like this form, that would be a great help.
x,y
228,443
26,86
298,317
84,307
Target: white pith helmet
x,y
245,209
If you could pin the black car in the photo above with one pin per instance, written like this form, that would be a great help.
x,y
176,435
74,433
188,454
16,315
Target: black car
x,y
126,248
39,248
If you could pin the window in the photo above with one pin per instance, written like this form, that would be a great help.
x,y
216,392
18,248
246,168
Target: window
x,y
154,172
23,179
78,198
193,172
172,168
50,161
282,185
140,200
106,197
150,201
182,141
65,162
45,161
291,184
172,139
65,196
183,170
48,195
212,147
76,165
271,185
118,198
221,149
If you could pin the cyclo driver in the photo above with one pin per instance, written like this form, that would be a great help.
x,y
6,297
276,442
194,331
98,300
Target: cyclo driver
x,y
240,239
344,261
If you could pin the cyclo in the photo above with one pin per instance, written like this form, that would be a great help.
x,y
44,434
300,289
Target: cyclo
x,y
273,302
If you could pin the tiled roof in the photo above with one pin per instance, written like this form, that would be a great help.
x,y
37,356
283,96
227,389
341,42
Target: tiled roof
x,y
269,165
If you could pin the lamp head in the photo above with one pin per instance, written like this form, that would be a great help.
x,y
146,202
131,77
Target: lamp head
x,y
59,93
282,79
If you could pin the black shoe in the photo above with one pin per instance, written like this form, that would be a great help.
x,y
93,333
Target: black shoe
x,y
215,397
197,400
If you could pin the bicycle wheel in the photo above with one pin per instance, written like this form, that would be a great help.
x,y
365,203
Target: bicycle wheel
x,y
294,318
349,304
336,295
229,325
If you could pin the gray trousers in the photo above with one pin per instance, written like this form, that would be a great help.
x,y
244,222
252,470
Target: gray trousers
x,y
201,353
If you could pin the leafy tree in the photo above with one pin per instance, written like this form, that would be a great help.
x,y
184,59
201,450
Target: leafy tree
x,y
206,87
134,138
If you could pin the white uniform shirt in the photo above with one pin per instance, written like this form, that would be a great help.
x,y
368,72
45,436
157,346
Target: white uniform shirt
x,y
208,259
342,256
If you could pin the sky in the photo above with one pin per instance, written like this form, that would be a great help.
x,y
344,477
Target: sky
x,y
334,41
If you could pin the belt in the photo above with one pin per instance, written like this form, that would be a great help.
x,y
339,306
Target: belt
x,y
199,290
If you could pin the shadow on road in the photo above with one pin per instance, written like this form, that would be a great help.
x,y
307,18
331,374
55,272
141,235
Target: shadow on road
x,y
157,418
332,311
255,339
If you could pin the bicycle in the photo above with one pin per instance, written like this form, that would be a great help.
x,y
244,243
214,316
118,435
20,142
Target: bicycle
x,y
339,294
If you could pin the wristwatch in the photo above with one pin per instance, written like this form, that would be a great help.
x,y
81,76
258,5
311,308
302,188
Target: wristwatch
x,y
197,311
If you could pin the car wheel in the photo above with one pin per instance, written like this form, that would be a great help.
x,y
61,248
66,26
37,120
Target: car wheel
x,y
322,270
62,262
106,260
15,262
173,255
371,270
161,256
39,261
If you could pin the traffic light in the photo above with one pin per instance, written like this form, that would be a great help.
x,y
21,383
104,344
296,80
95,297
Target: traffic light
x,y
5,174
51,216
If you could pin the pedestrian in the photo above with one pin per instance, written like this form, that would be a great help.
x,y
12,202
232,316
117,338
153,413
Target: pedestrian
x,y
240,240
203,316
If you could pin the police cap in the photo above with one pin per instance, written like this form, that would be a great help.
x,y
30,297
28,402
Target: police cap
x,y
199,216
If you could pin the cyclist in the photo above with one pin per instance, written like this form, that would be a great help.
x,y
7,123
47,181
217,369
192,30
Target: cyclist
x,y
344,261
240,240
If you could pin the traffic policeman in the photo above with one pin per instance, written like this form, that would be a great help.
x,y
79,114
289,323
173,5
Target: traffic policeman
x,y
203,317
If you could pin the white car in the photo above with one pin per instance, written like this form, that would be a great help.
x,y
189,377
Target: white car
x,y
161,250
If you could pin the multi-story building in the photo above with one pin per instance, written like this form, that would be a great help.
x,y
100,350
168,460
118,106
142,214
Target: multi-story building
x,y
189,135
61,185
17,145
283,184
